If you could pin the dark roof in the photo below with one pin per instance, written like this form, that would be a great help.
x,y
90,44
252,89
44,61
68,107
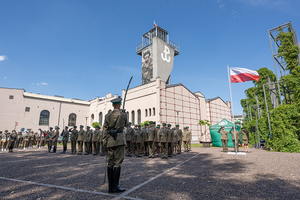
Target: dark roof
x,y
211,99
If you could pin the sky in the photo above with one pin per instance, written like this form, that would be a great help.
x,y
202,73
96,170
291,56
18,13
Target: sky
x,y
84,49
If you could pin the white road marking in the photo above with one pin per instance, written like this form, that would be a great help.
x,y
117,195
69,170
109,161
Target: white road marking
x,y
123,195
65,188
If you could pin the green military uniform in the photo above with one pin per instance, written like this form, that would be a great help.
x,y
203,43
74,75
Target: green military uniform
x,y
175,141
129,139
151,140
157,141
95,140
55,139
170,140
49,139
65,135
145,144
102,144
179,138
113,127
235,139
87,141
73,139
185,139
224,138
245,136
80,140
26,141
189,135
139,140
164,135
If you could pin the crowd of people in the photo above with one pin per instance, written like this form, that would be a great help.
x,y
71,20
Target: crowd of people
x,y
151,140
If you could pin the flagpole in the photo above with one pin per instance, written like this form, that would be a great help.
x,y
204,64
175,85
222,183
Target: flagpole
x,y
229,80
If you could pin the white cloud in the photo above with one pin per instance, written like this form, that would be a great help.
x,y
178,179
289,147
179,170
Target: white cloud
x,y
3,57
4,77
37,84
44,84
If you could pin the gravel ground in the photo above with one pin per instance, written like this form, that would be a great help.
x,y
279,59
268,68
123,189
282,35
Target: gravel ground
x,y
208,173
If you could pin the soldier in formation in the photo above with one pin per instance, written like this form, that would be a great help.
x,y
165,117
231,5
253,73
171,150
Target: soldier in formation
x,y
165,142
65,135
224,138
95,140
74,137
129,135
245,138
157,141
87,140
235,138
80,139
49,139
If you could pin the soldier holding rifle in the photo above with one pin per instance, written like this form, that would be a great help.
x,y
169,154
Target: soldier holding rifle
x,y
114,124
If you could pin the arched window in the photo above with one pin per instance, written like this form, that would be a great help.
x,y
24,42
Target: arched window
x,y
92,119
44,118
146,112
149,111
132,117
139,116
100,118
127,115
72,119
153,111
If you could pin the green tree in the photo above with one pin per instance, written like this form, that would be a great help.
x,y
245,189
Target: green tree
x,y
143,124
95,124
204,123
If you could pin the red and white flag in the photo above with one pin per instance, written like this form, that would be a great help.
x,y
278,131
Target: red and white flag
x,y
16,123
238,75
154,24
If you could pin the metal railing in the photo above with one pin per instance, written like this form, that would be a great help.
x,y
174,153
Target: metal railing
x,y
144,44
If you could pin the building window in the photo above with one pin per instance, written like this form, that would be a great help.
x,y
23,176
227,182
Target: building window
x,y
100,118
44,118
132,117
72,119
149,111
146,112
153,111
127,115
11,96
139,116
27,109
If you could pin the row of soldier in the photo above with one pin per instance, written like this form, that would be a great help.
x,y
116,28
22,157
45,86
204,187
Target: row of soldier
x,y
147,141
165,141
11,140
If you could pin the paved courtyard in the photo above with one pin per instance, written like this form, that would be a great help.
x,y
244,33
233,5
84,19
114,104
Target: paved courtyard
x,y
203,173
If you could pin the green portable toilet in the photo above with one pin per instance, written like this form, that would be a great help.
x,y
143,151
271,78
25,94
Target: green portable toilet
x,y
216,137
